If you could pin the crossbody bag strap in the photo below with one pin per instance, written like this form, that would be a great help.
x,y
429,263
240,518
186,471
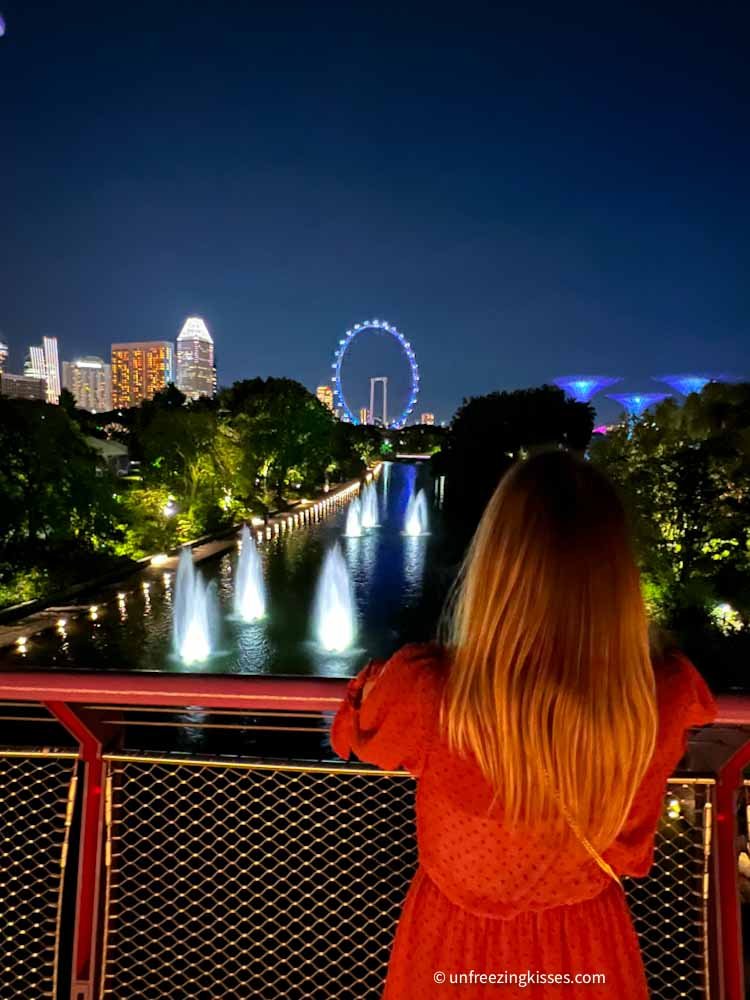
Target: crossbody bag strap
x,y
582,838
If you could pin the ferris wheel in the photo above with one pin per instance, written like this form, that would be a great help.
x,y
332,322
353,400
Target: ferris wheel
x,y
346,342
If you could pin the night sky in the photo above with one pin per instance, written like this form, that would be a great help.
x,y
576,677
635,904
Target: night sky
x,y
524,194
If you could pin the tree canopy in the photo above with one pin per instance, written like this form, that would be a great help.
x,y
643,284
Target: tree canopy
x,y
489,432
684,472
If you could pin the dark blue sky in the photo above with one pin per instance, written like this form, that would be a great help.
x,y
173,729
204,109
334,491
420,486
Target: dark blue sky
x,y
524,193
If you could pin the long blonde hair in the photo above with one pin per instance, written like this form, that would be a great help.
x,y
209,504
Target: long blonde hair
x,y
551,686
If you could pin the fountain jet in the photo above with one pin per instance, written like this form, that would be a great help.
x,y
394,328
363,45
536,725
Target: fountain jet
x,y
191,629
416,521
370,512
249,588
354,519
334,613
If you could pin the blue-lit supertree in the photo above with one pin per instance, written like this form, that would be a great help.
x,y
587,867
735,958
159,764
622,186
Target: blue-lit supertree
x,y
635,404
695,382
584,387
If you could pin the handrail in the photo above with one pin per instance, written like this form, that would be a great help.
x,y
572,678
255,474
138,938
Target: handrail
x,y
248,691
721,750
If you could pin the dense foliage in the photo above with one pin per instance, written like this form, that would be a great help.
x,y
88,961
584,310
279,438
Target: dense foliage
x,y
488,433
197,468
684,472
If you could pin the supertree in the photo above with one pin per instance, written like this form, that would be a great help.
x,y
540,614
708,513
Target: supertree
x,y
692,382
635,404
584,387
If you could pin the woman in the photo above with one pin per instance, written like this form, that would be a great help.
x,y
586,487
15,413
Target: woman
x,y
542,737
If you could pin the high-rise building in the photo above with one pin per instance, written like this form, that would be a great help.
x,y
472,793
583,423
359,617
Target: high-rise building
x,y
364,415
23,386
51,369
43,363
196,374
3,355
34,365
325,395
139,370
90,381
428,419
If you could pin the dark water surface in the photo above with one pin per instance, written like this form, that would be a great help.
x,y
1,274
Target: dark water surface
x,y
399,582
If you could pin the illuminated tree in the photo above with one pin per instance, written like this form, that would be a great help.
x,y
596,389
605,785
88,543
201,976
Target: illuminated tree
x,y
284,433
685,473
582,388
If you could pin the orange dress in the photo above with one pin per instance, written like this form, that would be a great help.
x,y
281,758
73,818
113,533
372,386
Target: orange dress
x,y
487,898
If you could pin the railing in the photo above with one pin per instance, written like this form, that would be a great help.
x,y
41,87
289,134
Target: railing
x,y
215,876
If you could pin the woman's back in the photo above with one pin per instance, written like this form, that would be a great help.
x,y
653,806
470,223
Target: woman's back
x,y
490,897
541,743
480,861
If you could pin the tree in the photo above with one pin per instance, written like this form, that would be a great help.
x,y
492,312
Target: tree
x,y
420,439
489,432
53,487
284,433
67,403
684,473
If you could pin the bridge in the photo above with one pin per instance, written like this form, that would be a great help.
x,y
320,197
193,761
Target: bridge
x,y
174,835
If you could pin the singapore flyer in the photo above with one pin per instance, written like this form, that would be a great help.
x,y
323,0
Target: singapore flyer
x,y
337,382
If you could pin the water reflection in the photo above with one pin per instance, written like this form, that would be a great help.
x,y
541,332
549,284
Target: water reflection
x,y
415,553
396,580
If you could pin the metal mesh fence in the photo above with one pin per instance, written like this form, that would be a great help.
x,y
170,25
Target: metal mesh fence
x,y
245,881
670,907
37,793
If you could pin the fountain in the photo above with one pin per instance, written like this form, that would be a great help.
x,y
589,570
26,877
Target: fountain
x,y
249,587
416,520
334,614
354,519
191,629
370,512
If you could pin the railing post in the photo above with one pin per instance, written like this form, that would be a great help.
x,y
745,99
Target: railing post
x,y
730,930
88,891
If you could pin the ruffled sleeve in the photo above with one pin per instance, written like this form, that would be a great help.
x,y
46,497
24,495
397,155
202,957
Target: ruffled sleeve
x,y
392,726
684,701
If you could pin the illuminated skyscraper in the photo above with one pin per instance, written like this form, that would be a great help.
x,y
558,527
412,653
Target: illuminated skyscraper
x,y
196,374
584,387
90,381
43,363
364,415
3,355
34,365
428,419
139,370
325,395
51,369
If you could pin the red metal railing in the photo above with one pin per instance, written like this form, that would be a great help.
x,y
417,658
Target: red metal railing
x,y
67,695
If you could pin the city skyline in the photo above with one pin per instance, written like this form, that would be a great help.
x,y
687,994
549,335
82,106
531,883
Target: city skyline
x,y
194,373
552,211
